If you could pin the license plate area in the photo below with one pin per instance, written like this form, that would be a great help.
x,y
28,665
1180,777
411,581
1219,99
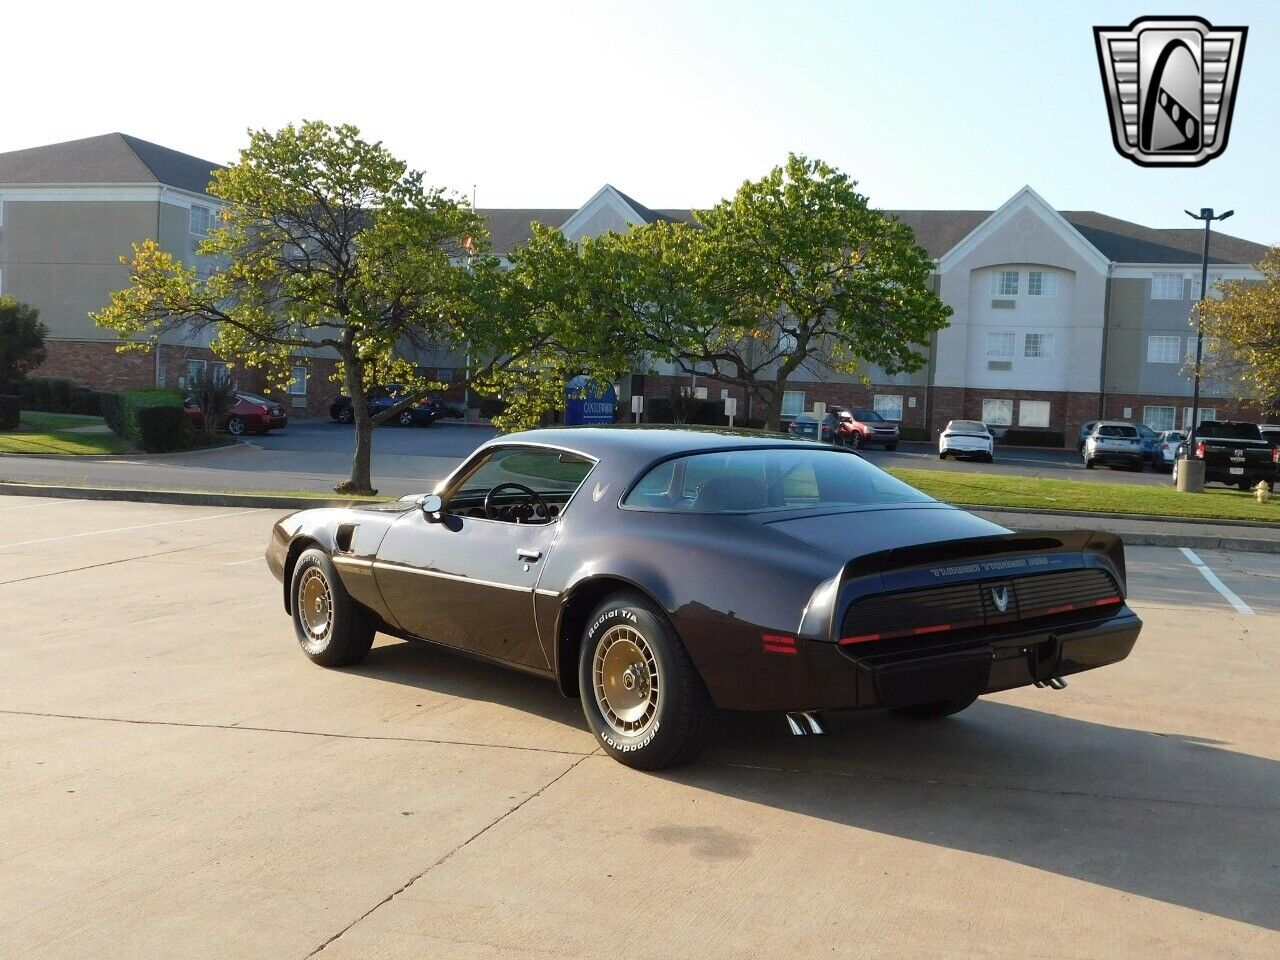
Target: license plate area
x,y
1237,470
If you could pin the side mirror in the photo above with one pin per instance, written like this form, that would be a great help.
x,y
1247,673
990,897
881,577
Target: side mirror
x,y
432,507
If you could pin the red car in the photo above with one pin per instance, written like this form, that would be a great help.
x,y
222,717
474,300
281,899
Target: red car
x,y
860,428
249,414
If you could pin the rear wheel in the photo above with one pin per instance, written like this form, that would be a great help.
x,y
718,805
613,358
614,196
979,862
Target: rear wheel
x,y
405,418
942,454
641,694
1088,463
236,426
346,415
936,710
332,629
891,446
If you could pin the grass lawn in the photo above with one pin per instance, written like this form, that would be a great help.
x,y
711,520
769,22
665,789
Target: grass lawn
x,y
51,433
991,490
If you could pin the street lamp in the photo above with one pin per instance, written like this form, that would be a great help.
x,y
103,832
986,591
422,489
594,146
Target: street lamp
x,y
1186,479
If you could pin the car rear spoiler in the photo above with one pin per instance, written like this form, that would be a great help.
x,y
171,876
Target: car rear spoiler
x,y
1108,545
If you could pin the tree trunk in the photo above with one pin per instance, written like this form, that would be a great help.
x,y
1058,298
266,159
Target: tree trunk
x,y
771,397
361,480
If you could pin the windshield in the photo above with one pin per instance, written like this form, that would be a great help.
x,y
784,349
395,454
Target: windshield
x,y
754,481
868,416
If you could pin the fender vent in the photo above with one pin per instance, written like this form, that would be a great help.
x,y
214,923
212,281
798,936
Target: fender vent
x,y
343,540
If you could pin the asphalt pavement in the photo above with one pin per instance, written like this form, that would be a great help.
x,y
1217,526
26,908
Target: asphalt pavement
x,y
178,780
315,455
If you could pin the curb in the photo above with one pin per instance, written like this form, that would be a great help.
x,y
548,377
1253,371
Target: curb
x,y
284,502
136,454
1145,517
180,497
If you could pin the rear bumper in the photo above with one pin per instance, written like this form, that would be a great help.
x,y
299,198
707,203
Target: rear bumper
x,y
844,679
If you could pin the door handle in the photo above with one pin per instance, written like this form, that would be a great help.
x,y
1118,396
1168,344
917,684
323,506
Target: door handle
x,y
528,556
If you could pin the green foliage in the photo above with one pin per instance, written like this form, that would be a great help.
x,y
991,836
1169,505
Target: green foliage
x,y
162,429
10,408
82,400
795,270
21,341
111,408
1242,333
121,410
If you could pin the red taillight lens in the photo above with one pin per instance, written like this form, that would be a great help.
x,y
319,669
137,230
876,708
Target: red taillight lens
x,y
1200,450
1275,455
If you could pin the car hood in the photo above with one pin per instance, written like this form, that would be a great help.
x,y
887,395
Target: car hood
x,y
857,532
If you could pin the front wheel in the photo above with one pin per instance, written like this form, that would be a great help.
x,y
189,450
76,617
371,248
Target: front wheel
x,y
236,426
855,440
405,418
346,415
936,710
332,629
641,694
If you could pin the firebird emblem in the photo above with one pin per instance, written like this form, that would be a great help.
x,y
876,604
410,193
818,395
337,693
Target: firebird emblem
x,y
1000,597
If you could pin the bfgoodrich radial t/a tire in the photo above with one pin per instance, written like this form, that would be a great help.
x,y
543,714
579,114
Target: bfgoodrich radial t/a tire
x,y
641,694
332,629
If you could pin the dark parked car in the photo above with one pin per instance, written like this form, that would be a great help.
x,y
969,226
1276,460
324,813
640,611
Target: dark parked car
x,y
809,426
658,575
249,414
421,414
1234,453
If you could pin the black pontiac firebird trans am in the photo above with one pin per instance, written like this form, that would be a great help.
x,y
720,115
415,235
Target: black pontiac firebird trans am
x,y
662,574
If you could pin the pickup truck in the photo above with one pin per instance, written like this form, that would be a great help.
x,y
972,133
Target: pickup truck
x,y
1234,453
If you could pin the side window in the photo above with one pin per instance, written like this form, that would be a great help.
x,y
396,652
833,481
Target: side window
x,y
509,472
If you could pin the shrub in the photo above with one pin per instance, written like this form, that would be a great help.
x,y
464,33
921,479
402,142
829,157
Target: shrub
x,y
164,428
21,342
913,433
35,393
84,401
685,410
59,396
111,409
10,406
1026,437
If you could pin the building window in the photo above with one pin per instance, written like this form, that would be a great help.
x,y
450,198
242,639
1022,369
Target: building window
x,y
1206,413
792,403
1166,286
1033,413
195,370
298,385
888,406
1038,345
1004,283
201,217
1041,283
1000,346
997,413
1164,349
444,374
1159,419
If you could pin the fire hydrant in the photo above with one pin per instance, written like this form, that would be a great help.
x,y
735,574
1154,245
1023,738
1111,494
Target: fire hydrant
x,y
1262,491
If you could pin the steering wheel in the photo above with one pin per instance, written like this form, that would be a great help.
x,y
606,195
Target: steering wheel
x,y
535,501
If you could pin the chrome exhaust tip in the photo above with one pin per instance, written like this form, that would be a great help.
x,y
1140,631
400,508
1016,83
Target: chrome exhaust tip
x,y
805,722
1053,683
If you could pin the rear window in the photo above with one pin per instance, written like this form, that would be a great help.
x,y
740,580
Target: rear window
x,y
755,481
973,426
1116,430
1228,430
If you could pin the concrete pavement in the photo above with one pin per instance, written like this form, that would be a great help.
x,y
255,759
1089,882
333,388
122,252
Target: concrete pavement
x,y
178,781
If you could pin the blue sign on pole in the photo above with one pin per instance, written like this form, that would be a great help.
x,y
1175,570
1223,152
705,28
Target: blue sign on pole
x,y
587,401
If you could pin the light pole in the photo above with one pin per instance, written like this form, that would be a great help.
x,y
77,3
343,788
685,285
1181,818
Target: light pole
x,y
1191,472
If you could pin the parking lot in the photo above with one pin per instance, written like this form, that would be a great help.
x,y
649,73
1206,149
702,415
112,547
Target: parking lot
x,y
178,781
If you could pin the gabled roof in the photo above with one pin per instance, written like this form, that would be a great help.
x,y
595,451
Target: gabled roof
x,y
109,159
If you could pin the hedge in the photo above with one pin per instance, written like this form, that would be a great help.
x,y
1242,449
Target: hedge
x,y
1026,437
10,408
56,395
120,410
164,428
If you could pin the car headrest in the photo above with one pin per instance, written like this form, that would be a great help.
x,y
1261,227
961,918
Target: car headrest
x,y
732,493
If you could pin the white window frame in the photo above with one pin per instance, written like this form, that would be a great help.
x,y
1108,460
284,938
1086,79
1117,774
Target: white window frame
x,y
1001,285
1001,419
1161,421
1029,414
1044,346
792,407
1002,337
1166,285
295,382
1206,413
1164,349
888,405
1042,283
207,213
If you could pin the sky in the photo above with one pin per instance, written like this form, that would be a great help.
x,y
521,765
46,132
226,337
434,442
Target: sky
x,y
944,105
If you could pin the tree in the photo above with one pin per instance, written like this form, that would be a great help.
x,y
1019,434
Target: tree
x,y
1243,329
21,341
795,271
215,395
325,242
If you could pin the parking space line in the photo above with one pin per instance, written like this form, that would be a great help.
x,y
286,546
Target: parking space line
x,y
237,563
42,501
1214,582
139,526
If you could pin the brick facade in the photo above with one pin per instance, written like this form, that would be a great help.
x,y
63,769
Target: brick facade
x,y
1067,410
1223,408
